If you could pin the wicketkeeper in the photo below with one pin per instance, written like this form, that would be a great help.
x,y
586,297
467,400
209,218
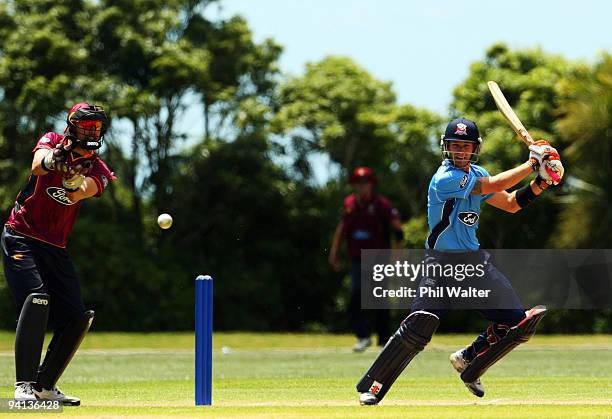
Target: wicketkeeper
x,y
455,194
66,169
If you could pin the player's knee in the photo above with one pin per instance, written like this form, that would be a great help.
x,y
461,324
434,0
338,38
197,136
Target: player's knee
x,y
62,320
496,332
418,328
515,317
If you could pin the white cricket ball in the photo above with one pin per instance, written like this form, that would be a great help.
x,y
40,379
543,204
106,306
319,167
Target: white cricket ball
x,y
164,221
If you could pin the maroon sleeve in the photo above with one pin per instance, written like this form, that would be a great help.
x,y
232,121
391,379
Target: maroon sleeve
x,y
387,210
49,140
102,175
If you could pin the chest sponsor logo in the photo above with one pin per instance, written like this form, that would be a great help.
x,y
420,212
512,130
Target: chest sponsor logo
x,y
463,181
468,218
59,195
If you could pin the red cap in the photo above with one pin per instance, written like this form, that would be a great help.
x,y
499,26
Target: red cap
x,y
362,173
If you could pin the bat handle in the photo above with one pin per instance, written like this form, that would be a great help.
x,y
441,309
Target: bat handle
x,y
526,136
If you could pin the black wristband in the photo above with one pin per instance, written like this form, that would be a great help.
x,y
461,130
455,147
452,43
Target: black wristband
x,y
541,183
399,235
525,196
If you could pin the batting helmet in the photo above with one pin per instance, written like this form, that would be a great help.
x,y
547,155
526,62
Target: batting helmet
x,y
461,129
87,125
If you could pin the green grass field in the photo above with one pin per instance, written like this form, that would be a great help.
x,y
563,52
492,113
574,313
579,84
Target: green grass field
x,y
271,375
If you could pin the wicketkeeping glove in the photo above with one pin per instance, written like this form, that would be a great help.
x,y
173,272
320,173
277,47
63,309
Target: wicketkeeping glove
x,y
72,184
56,160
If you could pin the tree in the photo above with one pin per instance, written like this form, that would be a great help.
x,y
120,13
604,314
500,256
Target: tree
x,y
39,58
586,127
339,109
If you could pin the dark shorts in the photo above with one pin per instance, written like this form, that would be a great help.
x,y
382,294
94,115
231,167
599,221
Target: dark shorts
x,y
31,266
506,308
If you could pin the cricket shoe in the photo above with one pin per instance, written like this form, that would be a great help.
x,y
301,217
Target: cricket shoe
x,y
362,345
368,399
459,363
55,394
24,391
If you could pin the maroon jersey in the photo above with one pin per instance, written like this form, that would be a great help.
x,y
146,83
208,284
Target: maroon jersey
x,y
366,225
42,209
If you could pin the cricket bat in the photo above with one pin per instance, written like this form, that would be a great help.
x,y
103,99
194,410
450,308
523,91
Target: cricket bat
x,y
516,124
508,113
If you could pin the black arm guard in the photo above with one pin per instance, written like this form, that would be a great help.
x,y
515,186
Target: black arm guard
x,y
525,196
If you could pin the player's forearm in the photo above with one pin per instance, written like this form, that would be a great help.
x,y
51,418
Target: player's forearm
x,y
398,233
37,167
506,180
86,190
336,240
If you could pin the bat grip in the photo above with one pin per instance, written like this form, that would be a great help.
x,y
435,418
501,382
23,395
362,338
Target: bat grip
x,y
554,176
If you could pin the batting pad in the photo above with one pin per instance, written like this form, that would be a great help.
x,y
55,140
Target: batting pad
x,y
411,337
518,334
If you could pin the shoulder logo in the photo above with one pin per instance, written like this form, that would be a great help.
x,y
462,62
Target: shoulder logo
x,y
104,181
461,129
469,218
59,195
45,139
463,181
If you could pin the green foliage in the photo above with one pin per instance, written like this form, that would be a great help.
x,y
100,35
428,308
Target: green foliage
x,y
586,128
337,108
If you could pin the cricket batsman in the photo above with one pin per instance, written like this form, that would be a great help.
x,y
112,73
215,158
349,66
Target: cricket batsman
x,y
66,169
455,195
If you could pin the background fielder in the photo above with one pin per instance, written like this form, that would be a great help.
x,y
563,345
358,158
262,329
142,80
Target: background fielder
x,y
43,282
368,220
455,194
